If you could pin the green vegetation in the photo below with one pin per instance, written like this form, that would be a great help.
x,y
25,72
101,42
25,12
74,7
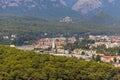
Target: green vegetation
x,y
97,58
83,44
32,24
108,51
28,65
31,28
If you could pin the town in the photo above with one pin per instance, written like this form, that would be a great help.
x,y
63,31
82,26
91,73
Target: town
x,y
81,48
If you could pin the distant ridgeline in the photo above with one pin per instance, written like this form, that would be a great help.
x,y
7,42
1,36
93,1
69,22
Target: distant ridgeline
x,y
17,64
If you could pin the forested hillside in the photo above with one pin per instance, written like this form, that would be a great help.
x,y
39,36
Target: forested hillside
x,y
28,65
32,28
34,24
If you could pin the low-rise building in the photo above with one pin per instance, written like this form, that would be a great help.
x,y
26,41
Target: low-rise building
x,y
110,58
60,41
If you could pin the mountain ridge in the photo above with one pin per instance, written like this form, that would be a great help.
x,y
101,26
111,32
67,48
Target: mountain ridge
x,y
56,9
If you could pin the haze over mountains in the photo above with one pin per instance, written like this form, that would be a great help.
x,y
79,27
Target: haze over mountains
x,y
56,9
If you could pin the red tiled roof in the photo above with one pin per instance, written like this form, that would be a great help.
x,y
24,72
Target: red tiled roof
x,y
110,56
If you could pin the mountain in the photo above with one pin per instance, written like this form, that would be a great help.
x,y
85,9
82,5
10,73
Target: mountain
x,y
111,7
42,8
101,18
56,9
87,7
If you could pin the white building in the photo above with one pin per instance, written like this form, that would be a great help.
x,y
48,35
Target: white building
x,y
66,19
110,58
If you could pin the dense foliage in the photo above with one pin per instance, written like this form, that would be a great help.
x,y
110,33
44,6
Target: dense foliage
x,y
79,44
28,65
108,51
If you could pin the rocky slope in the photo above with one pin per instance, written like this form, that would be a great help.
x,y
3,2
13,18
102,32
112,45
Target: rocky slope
x,y
59,8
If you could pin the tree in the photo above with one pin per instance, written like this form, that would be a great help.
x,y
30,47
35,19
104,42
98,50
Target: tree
x,y
115,60
83,53
118,52
97,59
27,65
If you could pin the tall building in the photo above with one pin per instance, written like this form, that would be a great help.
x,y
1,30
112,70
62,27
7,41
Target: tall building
x,y
53,45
